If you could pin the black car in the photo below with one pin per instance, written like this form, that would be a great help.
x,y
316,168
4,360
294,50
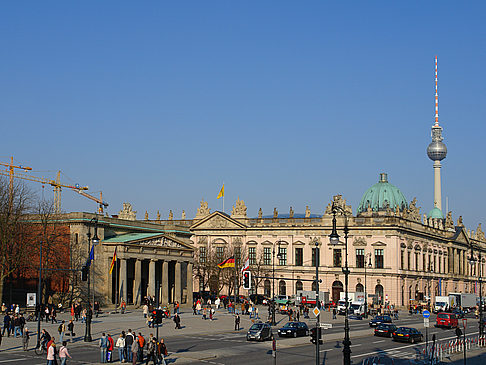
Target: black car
x,y
257,298
385,329
407,334
294,329
259,332
379,320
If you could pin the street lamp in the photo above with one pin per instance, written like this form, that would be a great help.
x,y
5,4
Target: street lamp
x,y
318,302
472,261
273,280
365,293
95,240
334,240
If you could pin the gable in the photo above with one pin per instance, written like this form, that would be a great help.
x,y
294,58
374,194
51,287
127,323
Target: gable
x,y
147,239
217,220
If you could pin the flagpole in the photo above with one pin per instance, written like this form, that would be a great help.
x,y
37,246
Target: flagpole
x,y
116,283
223,197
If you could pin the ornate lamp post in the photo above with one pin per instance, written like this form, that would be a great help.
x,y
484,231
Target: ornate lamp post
x,y
472,261
273,281
95,240
318,303
334,240
369,264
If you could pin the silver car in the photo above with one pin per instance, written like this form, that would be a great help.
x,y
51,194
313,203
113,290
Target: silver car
x,y
259,332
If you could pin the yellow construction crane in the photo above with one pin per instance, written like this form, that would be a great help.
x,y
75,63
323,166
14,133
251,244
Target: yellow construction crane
x,y
54,183
10,174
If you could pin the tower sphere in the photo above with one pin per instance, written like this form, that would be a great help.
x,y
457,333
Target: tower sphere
x,y
437,151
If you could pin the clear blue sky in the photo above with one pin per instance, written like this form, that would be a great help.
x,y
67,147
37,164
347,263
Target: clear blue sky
x,y
287,102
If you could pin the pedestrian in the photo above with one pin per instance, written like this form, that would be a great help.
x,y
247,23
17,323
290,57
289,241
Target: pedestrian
x,y
64,353
194,309
70,328
45,338
109,349
120,345
22,323
211,312
6,324
151,351
141,345
103,346
334,313
177,321
145,310
25,339
17,326
256,313
53,315
46,311
134,352
1,336
205,311
129,340
198,306
237,322
62,330
51,354
177,307
161,351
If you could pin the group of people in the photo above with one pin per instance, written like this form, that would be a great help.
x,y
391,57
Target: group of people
x,y
133,348
48,342
14,324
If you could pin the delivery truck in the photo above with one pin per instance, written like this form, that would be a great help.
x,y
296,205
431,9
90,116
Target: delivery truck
x,y
308,297
441,304
466,301
353,298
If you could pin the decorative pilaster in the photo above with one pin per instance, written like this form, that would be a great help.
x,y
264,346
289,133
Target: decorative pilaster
x,y
137,281
123,280
151,279
165,282
190,284
177,282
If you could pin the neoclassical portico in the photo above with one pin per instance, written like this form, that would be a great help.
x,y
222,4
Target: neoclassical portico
x,y
147,263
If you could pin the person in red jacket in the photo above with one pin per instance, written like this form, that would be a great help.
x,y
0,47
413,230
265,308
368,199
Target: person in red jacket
x,y
111,344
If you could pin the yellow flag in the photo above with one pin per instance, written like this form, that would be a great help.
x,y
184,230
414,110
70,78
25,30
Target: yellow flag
x,y
221,192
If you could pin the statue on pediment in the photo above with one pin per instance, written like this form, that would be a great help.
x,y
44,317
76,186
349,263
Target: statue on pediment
x,y
413,212
171,215
275,213
183,214
449,223
480,233
158,216
203,210
291,213
146,216
459,221
338,201
127,212
239,209
260,213
307,211
425,220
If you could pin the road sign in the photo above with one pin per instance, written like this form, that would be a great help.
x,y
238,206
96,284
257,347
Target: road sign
x,y
426,323
426,313
316,311
326,326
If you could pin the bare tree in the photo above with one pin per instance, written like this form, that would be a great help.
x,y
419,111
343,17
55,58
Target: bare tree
x,y
258,268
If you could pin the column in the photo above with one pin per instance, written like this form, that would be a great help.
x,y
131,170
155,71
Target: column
x,y
190,284
151,280
177,282
123,280
165,282
137,281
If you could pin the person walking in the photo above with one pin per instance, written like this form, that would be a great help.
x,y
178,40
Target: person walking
x,y
53,315
62,330
51,354
237,322
129,340
109,348
141,345
22,322
151,351
70,328
334,313
134,352
6,324
103,346
161,351
205,311
25,339
177,321
17,326
120,345
64,353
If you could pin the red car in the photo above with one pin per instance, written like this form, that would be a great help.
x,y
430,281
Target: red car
x,y
446,319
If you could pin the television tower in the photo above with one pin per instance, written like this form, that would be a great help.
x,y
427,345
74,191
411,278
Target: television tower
x,y
437,150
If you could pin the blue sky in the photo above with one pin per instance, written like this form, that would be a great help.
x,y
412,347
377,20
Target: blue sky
x,y
288,103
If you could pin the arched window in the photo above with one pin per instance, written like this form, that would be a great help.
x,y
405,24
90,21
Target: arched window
x,y
282,288
266,288
379,294
359,288
337,288
298,286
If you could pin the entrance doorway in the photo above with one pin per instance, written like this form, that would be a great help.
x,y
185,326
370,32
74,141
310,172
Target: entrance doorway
x,y
337,288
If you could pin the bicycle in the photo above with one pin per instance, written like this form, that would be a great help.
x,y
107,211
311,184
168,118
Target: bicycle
x,y
41,349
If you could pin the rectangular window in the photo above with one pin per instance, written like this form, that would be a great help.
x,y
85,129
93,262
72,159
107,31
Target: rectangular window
x,y
283,256
336,257
360,258
429,266
440,266
220,253
202,255
267,256
409,261
299,256
313,259
416,261
379,258
424,263
434,268
238,256
252,255
402,264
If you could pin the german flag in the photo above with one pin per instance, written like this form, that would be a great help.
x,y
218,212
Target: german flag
x,y
113,261
227,263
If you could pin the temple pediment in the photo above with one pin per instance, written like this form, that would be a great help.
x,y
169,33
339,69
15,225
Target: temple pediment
x,y
218,220
148,240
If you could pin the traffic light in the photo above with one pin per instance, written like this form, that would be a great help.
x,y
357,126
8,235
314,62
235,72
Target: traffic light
x,y
157,316
246,280
84,273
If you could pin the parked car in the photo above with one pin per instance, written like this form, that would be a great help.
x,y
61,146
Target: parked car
x,y
446,319
283,299
385,329
259,332
294,329
257,298
379,320
407,334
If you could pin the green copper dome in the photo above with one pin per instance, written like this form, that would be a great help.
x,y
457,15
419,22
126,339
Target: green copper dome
x,y
382,195
435,213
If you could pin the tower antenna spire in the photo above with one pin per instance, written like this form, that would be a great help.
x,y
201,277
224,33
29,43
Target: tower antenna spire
x,y
436,97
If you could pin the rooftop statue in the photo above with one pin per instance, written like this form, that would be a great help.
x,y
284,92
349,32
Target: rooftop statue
x,y
413,212
127,212
480,233
449,223
183,214
171,215
146,216
275,214
341,203
260,213
158,216
291,213
203,210
239,209
307,211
